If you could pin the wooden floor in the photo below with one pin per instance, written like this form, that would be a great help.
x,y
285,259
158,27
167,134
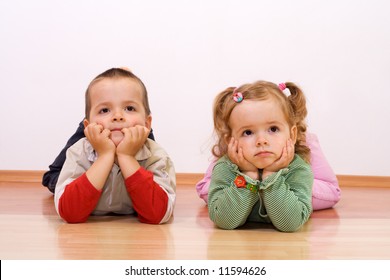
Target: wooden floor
x,y
357,228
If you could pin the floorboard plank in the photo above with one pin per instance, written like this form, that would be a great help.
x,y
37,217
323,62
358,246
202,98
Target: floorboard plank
x,y
357,228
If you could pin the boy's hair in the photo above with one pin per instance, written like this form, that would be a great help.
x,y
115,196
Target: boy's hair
x,y
293,108
115,73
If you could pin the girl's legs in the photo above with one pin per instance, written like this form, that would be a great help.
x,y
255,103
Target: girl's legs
x,y
326,190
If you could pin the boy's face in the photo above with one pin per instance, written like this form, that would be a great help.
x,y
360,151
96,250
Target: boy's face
x,y
117,103
261,130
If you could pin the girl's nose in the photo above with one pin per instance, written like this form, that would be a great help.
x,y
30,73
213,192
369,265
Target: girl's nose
x,y
261,140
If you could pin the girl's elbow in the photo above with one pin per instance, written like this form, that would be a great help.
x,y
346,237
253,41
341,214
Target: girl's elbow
x,y
226,226
288,227
223,223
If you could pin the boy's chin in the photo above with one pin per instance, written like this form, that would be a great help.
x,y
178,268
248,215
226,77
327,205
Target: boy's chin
x,y
116,137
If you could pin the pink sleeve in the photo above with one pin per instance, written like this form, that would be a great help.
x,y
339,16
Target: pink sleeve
x,y
202,187
326,190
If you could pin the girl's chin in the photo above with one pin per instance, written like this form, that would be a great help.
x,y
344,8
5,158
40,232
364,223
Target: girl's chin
x,y
116,137
263,164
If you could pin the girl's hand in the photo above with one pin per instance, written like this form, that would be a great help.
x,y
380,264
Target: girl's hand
x,y
284,160
236,156
133,140
99,139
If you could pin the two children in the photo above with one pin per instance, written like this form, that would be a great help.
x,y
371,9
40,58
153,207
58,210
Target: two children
x,y
117,169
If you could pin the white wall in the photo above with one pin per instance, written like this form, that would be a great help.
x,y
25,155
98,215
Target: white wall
x,y
186,52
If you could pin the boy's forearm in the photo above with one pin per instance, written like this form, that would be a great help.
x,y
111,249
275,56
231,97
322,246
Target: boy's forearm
x,y
97,174
149,199
128,164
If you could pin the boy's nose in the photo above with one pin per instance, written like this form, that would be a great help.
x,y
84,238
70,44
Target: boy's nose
x,y
117,116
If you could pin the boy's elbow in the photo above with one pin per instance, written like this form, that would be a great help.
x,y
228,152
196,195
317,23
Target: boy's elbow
x,y
74,220
150,221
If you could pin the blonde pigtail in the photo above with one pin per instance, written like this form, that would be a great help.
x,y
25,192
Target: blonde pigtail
x,y
298,105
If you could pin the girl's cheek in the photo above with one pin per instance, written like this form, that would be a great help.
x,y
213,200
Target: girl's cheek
x,y
243,143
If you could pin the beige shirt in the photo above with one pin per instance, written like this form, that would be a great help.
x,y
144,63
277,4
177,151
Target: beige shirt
x,y
114,197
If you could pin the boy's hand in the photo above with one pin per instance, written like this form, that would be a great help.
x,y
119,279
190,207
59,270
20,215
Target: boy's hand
x,y
133,140
284,160
99,139
236,156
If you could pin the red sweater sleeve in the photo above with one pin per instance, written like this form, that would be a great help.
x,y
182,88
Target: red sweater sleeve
x,y
78,200
150,201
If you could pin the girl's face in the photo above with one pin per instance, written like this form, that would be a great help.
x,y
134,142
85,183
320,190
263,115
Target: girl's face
x,y
261,130
116,104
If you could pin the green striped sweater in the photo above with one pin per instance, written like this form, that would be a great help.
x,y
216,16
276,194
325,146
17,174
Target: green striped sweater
x,y
283,198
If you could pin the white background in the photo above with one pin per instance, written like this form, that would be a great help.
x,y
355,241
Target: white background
x,y
186,52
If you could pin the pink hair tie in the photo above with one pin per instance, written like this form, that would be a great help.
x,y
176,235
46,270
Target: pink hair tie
x,y
237,96
282,86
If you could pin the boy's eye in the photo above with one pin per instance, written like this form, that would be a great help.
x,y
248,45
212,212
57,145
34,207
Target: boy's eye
x,y
274,129
104,110
130,108
247,133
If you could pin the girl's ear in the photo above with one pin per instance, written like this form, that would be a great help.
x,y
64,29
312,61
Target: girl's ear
x,y
293,134
86,123
227,139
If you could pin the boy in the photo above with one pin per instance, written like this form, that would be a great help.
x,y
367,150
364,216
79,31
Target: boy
x,y
116,168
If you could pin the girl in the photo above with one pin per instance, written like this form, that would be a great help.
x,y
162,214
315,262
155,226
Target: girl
x,y
325,192
263,172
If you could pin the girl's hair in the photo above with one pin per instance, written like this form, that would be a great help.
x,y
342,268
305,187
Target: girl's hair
x,y
293,107
115,73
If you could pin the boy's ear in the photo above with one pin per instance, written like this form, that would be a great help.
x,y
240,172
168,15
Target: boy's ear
x,y
86,123
148,122
293,134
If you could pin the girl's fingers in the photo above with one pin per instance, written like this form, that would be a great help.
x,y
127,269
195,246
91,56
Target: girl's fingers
x,y
240,155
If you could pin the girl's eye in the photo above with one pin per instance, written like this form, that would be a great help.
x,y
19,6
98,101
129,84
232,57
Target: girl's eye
x,y
247,133
104,110
273,129
130,108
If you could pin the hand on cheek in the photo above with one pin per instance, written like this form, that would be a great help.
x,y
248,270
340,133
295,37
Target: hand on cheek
x,y
133,140
99,139
283,161
236,155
